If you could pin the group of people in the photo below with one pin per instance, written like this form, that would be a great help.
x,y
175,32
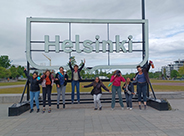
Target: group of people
x,y
47,81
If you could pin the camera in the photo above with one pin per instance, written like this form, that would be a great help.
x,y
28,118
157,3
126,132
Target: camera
x,y
118,73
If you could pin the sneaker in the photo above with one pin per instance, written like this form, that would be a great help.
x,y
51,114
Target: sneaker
x,y
139,107
100,108
72,102
144,107
31,110
63,106
57,106
130,108
78,102
112,108
38,110
95,108
43,111
127,108
122,108
49,111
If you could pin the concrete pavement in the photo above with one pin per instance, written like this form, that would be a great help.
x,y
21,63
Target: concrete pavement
x,y
82,120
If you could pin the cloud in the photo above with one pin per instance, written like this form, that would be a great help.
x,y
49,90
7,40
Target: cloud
x,y
166,29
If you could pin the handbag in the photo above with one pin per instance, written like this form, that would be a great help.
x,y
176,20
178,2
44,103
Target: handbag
x,y
111,83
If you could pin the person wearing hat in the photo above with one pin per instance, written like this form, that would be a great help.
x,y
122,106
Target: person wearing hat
x,y
35,89
116,79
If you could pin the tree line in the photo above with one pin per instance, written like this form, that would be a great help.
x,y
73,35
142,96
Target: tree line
x,y
9,71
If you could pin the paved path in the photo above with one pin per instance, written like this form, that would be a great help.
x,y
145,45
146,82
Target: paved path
x,y
11,86
82,120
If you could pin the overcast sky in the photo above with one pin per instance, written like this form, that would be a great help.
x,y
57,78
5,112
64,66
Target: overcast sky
x,y
166,29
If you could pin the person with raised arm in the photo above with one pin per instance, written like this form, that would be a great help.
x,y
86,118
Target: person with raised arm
x,y
116,79
75,80
97,92
142,80
34,89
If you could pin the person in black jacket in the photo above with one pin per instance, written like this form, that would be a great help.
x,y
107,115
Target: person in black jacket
x,y
97,92
34,90
128,88
75,80
61,82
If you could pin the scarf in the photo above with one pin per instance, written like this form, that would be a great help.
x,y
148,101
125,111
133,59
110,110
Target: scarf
x,y
61,78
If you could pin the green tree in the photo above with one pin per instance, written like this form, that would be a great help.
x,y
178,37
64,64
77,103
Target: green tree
x,y
4,73
20,71
14,72
4,61
174,74
181,70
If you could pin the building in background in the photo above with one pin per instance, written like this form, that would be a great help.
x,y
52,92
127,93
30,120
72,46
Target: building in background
x,y
167,69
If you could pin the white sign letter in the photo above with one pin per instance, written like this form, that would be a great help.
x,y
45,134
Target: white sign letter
x,y
120,45
47,43
87,44
67,44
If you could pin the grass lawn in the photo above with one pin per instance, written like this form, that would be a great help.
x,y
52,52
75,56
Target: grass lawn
x,y
12,83
157,88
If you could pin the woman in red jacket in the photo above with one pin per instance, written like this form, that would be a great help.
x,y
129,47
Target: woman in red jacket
x,y
116,87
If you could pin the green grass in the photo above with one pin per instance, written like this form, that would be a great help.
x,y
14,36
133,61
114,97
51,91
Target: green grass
x,y
12,83
165,81
157,88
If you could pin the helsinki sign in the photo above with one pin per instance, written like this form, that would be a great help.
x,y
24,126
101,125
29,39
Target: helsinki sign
x,y
87,46
67,45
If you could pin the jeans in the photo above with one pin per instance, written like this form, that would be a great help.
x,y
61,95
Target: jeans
x,y
141,89
118,90
75,83
96,99
129,100
32,96
47,90
60,89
